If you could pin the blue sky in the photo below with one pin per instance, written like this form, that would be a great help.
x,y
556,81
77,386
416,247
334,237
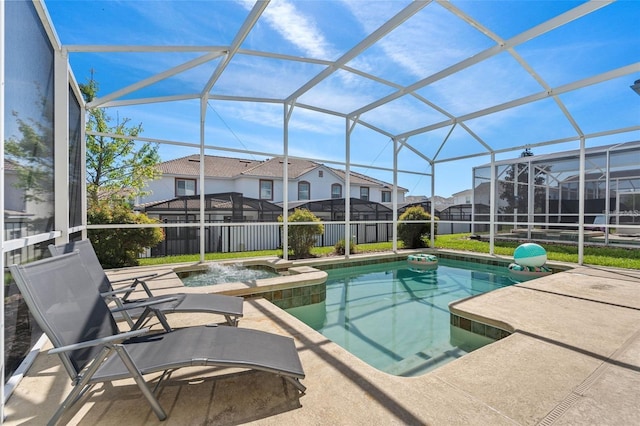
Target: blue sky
x,y
430,41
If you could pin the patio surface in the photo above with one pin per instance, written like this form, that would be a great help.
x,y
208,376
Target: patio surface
x,y
573,358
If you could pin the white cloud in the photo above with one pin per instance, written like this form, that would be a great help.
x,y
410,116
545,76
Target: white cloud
x,y
418,46
297,28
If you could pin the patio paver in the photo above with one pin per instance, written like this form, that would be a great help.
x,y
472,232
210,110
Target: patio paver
x,y
573,358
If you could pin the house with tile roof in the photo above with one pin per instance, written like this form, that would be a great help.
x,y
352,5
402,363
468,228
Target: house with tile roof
x,y
263,180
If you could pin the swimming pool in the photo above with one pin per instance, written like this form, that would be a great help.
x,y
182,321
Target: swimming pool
x,y
396,318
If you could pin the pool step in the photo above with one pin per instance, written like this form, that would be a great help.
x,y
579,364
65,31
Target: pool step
x,y
421,362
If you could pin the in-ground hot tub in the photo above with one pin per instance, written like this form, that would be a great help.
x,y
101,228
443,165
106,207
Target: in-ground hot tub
x,y
274,279
216,273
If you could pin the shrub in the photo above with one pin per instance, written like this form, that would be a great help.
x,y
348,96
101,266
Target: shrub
x,y
117,248
340,247
303,237
413,235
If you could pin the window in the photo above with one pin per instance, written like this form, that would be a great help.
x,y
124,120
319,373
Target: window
x,y
266,189
386,196
364,193
185,187
304,190
336,190
320,173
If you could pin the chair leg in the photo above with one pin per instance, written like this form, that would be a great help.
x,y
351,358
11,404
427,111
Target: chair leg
x,y
146,315
80,387
232,320
295,382
142,384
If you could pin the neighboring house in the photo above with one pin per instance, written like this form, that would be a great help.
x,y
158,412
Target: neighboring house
x,y
14,199
263,180
23,206
462,197
482,195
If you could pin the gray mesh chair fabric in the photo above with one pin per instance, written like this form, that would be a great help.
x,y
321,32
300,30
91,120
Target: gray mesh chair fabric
x,y
85,335
229,306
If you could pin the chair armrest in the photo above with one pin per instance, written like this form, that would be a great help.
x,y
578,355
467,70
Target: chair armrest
x,y
144,304
144,285
115,292
102,341
136,281
139,277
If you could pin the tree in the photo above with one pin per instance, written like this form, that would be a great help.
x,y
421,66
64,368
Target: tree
x,y
303,237
117,171
32,157
116,167
120,247
413,235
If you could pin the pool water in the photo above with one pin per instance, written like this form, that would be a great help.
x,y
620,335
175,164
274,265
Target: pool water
x,y
220,274
396,318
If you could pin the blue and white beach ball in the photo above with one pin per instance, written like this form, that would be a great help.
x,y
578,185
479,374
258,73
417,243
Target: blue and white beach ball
x,y
530,254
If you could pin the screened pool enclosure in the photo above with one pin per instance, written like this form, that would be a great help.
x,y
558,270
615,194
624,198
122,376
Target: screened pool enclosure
x,y
539,197
413,93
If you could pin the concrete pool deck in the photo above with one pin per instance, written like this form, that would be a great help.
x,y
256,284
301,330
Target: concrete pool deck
x,y
573,358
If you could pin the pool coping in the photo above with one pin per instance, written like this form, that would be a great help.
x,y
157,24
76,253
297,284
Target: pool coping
x,y
363,259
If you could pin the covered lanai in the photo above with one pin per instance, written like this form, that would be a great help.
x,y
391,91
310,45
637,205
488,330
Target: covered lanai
x,y
411,92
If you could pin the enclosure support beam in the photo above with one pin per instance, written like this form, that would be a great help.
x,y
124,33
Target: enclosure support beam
x,y
203,119
473,202
530,198
581,187
394,197
492,205
288,110
61,145
350,125
432,206
607,199
2,233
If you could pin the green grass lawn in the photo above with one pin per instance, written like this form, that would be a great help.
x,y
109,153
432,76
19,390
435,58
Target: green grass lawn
x,y
600,256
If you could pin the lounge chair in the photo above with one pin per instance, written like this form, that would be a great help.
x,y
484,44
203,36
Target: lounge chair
x,y
142,309
78,322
